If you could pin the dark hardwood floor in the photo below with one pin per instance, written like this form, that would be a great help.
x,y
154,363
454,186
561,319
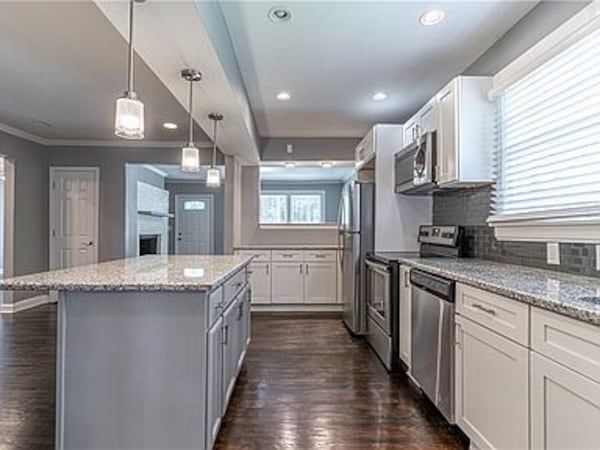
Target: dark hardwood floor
x,y
306,384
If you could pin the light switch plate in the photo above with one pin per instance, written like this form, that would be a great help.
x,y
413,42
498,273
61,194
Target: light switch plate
x,y
553,253
598,258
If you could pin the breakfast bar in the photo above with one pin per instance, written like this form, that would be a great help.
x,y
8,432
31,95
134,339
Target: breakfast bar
x,y
148,348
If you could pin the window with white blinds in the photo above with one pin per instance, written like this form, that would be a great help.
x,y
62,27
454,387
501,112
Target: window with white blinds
x,y
548,160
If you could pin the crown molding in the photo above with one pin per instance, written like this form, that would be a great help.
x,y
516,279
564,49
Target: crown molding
x,y
94,142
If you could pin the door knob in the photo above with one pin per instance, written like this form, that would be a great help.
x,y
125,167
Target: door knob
x,y
90,243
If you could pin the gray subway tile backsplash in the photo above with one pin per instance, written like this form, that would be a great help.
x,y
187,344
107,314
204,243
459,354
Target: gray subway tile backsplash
x,y
470,208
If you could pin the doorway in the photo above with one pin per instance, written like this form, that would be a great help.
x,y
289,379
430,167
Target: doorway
x,y
194,224
74,205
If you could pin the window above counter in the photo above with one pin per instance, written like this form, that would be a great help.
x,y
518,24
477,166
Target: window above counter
x,y
302,194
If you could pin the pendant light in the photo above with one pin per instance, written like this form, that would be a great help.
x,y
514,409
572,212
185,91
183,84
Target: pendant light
x,y
190,155
129,115
213,175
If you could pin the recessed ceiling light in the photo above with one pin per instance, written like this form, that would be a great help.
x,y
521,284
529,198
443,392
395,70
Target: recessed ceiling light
x,y
279,14
326,164
283,96
170,125
432,17
378,96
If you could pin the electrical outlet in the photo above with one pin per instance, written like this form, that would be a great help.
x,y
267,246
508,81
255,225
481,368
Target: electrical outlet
x,y
598,258
553,253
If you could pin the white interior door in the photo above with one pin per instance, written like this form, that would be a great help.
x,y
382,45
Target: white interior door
x,y
194,224
73,216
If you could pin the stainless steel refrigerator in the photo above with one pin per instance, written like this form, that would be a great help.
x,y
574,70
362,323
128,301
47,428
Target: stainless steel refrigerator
x,y
355,240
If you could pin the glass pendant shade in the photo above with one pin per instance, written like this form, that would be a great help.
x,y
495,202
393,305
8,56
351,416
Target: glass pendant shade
x,y
129,117
213,178
190,159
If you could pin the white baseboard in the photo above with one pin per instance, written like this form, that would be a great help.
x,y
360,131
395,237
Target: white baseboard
x,y
28,303
296,308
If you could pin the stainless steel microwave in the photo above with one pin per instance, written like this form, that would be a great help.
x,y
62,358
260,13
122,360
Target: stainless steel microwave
x,y
415,166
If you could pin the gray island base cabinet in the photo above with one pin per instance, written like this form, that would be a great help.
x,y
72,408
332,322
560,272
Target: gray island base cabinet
x,y
152,366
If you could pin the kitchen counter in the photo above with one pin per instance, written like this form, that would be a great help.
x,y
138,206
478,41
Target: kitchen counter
x,y
169,273
571,295
286,247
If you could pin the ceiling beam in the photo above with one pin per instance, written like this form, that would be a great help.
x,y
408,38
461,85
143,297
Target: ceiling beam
x,y
172,35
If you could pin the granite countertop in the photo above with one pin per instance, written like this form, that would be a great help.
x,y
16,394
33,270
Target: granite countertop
x,y
571,295
286,247
172,273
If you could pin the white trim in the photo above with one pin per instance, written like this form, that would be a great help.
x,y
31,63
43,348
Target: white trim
x,y
155,170
23,134
94,142
538,231
580,25
53,170
297,308
294,226
28,303
211,197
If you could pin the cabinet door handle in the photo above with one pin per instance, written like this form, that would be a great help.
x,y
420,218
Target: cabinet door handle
x,y
406,284
307,269
240,311
225,334
267,268
484,309
300,268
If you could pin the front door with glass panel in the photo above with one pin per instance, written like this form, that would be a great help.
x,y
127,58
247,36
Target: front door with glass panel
x,y
194,224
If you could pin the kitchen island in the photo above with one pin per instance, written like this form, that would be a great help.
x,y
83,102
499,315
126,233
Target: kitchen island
x,y
148,348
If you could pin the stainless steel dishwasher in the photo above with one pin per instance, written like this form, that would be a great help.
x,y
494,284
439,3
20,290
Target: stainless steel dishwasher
x,y
432,338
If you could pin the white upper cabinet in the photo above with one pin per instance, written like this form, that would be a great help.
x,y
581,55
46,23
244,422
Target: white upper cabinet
x,y
365,149
462,116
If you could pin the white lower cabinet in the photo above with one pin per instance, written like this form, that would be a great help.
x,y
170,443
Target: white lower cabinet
x,y
214,381
491,387
260,281
565,407
230,352
405,315
287,284
320,282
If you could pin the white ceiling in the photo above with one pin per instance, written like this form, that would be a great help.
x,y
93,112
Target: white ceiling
x,y
305,171
332,56
64,63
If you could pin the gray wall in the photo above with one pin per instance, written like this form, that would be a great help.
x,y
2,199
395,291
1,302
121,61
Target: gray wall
x,y
309,149
470,208
175,188
333,192
111,162
535,25
148,176
31,235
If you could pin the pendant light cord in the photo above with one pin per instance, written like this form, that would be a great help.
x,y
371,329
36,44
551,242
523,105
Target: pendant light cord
x,y
191,104
214,155
130,62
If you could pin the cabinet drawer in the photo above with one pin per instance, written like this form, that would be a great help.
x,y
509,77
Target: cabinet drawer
x,y
568,341
288,255
259,255
500,314
322,255
215,305
233,286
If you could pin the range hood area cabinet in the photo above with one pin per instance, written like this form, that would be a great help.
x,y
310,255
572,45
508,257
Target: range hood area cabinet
x,y
463,117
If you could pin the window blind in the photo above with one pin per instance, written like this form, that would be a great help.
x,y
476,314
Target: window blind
x,y
548,139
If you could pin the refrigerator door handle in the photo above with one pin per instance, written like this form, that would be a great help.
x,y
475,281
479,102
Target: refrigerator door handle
x,y
341,233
